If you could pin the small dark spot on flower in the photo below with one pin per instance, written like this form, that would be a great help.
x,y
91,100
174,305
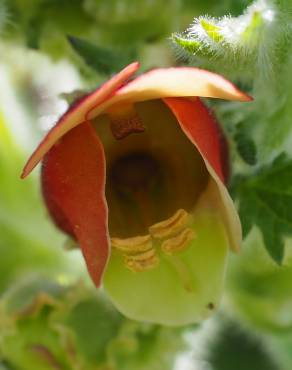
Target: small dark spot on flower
x,y
211,306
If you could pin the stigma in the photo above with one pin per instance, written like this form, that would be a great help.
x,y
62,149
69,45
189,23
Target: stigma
x,y
124,120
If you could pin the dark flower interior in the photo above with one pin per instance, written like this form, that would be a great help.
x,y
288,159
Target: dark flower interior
x,y
151,174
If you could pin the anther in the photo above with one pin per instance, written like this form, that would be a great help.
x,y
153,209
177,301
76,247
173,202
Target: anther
x,y
142,265
178,243
132,245
143,256
171,226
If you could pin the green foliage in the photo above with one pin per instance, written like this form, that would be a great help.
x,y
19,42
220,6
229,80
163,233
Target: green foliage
x,y
44,24
245,146
144,346
213,31
27,339
94,324
22,222
3,14
242,46
125,22
234,347
266,200
72,327
260,293
102,60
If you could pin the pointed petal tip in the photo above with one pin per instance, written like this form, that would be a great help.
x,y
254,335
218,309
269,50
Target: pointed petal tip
x,y
134,66
249,97
245,97
25,172
28,167
226,89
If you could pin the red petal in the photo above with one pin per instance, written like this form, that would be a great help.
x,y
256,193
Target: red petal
x,y
73,179
77,114
203,131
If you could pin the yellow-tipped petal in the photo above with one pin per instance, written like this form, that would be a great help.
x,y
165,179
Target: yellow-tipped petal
x,y
174,82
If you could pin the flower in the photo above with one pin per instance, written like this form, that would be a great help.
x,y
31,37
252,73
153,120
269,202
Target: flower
x,y
149,153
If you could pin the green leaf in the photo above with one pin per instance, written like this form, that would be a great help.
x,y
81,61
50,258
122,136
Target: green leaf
x,y
102,60
212,30
253,27
266,201
245,146
144,346
95,323
6,366
242,348
188,44
28,241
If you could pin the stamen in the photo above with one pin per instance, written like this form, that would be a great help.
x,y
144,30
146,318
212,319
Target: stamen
x,y
140,252
143,256
132,245
142,265
178,243
171,226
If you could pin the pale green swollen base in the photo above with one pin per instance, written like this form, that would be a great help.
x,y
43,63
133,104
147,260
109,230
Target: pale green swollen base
x,y
185,288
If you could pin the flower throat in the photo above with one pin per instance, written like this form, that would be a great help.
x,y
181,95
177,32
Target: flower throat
x,y
151,174
138,181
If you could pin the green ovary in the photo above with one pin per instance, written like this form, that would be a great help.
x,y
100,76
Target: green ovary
x,y
184,288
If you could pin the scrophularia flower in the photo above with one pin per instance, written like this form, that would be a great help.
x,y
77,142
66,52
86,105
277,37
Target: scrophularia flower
x,y
140,167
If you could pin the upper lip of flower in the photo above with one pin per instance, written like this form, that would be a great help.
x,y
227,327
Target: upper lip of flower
x,y
158,83
167,84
